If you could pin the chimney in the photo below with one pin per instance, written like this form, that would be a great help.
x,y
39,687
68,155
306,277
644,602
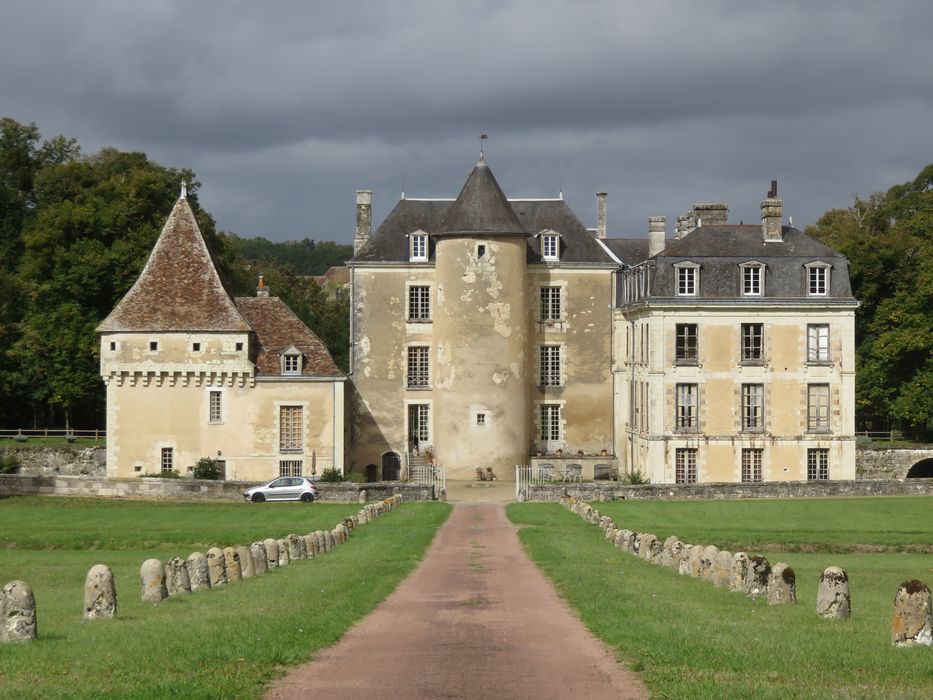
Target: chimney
x,y
771,216
261,289
656,243
600,214
364,219
711,214
685,224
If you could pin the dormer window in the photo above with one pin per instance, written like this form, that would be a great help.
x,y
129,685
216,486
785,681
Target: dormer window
x,y
550,246
419,247
753,279
817,279
688,278
291,361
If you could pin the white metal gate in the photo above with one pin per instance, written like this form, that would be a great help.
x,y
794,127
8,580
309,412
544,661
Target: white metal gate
x,y
428,474
530,475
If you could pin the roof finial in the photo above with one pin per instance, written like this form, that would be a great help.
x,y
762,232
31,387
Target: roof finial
x,y
482,137
184,190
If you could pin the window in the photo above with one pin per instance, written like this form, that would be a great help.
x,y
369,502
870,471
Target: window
x,y
752,280
290,428
549,374
290,467
686,416
291,363
418,424
818,342
818,407
239,347
480,251
817,464
752,343
153,345
817,279
481,419
419,247
418,366
753,406
196,347
751,464
113,345
685,465
550,246
168,459
685,346
550,304
549,427
215,414
687,281
419,303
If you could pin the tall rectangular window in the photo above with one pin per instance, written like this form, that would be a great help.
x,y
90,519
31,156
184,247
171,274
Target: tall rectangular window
x,y
550,365
550,304
419,247
549,247
215,413
817,464
685,345
168,459
753,343
751,464
419,303
751,281
418,372
549,426
817,281
686,281
753,406
818,407
291,428
418,424
818,342
685,465
290,467
686,410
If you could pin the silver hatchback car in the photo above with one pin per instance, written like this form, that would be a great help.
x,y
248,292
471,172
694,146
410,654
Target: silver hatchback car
x,y
285,488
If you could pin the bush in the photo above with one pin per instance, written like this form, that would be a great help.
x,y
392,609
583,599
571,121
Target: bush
x,y
206,468
331,475
9,464
355,477
173,474
635,478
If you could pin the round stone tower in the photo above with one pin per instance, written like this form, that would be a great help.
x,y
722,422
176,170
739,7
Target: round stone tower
x,y
482,414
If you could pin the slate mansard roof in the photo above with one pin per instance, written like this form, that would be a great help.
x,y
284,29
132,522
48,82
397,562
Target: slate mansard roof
x,y
482,209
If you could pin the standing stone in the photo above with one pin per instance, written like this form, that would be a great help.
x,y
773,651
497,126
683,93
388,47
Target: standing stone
x,y
782,585
722,569
216,567
737,583
309,545
321,544
232,564
628,541
683,566
272,553
176,577
294,549
756,581
362,497
257,551
246,562
707,562
152,575
17,613
693,563
283,552
100,593
832,597
328,540
912,624
198,573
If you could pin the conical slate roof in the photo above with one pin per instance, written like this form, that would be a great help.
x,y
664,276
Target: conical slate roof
x,y
481,207
179,288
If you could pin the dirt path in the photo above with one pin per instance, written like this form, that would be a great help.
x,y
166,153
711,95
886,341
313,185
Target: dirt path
x,y
476,620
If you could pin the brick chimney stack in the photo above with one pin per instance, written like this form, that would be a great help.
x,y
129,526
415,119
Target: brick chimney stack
x,y
364,219
656,234
771,216
600,214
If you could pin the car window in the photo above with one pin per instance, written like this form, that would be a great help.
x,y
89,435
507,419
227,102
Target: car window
x,y
278,483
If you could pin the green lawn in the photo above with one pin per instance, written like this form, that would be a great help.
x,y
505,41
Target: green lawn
x,y
220,643
688,639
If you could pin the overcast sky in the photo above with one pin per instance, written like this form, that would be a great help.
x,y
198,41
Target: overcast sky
x,y
284,109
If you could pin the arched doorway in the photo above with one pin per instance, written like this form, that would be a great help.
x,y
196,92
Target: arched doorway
x,y
921,470
372,473
391,466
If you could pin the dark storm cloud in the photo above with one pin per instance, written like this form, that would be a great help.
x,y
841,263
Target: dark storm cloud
x,y
285,108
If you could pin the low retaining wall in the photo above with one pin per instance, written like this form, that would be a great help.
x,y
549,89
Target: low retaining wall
x,y
888,463
611,491
59,461
194,489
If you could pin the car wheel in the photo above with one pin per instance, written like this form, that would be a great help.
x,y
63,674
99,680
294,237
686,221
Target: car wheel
x,y
307,498
258,498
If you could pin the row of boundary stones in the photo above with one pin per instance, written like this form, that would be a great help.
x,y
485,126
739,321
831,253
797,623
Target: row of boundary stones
x,y
231,564
17,613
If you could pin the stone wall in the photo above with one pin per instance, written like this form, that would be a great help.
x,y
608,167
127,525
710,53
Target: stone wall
x,y
890,463
608,491
67,460
192,489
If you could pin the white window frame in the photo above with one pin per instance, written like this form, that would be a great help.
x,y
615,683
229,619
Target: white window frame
x,y
549,428
753,279
682,348
215,413
290,467
817,464
819,403
818,274
747,345
550,359
550,246
166,459
686,279
418,247
818,348
418,367
686,407
685,465
753,407
752,465
550,303
425,422
419,303
291,362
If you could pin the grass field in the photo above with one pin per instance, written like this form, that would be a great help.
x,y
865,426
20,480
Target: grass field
x,y
220,643
689,639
